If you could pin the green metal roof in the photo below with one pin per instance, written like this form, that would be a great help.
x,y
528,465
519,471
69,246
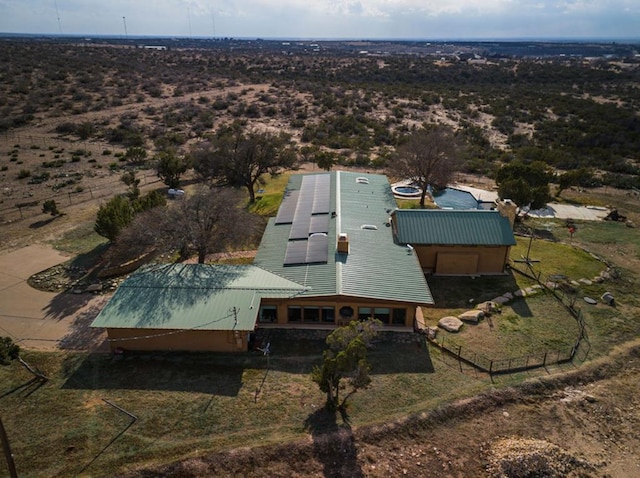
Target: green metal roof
x,y
375,267
193,296
448,227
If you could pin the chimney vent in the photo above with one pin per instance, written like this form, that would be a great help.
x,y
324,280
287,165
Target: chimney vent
x,y
343,243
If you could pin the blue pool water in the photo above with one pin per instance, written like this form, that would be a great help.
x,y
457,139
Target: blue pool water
x,y
455,199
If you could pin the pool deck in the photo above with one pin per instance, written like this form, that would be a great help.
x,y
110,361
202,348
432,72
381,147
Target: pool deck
x,y
553,210
481,195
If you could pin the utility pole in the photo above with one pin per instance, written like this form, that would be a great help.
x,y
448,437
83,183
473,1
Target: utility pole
x,y
126,34
13,473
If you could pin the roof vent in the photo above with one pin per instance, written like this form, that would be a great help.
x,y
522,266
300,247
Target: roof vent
x,y
362,180
369,227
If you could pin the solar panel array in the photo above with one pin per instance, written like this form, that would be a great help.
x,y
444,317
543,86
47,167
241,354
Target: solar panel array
x,y
307,210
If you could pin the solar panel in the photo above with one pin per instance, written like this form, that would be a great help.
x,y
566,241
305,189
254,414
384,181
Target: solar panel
x,y
322,193
296,253
317,249
319,223
300,227
288,207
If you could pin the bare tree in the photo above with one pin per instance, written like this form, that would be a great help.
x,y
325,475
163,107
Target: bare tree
x,y
211,220
208,221
238,159
428,158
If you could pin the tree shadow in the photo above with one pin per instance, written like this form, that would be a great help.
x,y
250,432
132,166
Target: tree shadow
x,y
334,445
42,223
66,304
212,374
81,335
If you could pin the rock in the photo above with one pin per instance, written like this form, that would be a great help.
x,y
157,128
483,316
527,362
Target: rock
x,y
473,316
508,295
520,293
94,287
77,291
488,307
432,332
585,281
531,290
450,324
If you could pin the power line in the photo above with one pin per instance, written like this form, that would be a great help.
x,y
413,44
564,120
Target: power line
x,y
173,332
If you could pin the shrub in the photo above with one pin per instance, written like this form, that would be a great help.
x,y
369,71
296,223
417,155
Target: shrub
x,y
24,173
8,350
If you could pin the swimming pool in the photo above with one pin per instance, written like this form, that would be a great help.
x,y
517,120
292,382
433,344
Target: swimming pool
x,y
450,198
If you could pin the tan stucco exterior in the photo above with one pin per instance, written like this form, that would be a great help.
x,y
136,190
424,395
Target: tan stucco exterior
x,y
178,340
463,260
338,303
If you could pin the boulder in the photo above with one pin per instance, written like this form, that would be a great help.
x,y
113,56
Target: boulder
x,y
488,307
473,316
94,287
450,324
432,332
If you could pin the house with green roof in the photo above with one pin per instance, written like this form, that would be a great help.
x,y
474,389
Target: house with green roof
x,y
333,236
195,307
448,242
338,250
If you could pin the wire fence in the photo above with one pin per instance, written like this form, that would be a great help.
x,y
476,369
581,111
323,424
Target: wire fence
x,y
579,351
23,203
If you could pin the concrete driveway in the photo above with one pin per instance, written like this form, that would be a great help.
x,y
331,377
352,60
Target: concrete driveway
x,y
45,320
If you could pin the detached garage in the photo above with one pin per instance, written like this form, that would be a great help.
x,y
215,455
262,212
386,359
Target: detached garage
x,y
451,242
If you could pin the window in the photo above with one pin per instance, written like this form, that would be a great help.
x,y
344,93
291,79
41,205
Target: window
x,y
364,313
399,316
383,314
268,314
294,313
311,314
328,314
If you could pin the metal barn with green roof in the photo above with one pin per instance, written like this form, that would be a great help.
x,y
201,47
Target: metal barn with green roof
x,y
448,242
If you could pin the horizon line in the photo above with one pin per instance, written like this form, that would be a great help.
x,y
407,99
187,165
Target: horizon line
x,y
580,39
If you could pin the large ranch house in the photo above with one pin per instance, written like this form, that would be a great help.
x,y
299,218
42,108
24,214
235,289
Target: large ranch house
x,y
338,250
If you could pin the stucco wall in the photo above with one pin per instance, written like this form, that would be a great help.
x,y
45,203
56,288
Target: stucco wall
x,y
463,260
171,340
338,303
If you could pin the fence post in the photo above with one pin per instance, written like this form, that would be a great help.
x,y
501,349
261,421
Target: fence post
x,y
459,353
544,360
491,367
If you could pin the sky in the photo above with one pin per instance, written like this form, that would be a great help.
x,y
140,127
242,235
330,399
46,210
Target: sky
x,y
349,19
